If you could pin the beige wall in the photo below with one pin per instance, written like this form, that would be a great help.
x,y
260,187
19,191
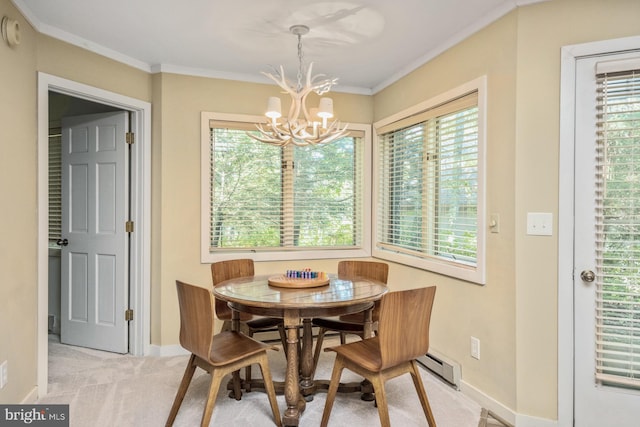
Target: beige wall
x,y
542,31
18,174
73,63
464,309
183,99
514,315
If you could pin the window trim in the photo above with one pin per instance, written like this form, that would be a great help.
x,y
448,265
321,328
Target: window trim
x,y
283,254
475,274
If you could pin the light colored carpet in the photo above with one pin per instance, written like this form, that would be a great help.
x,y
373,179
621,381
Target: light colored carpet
x,y
106,389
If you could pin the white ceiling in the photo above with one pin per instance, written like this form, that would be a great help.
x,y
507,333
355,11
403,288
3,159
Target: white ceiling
x,y
367,44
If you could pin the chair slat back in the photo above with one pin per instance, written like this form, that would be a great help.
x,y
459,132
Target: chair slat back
x,y
225,270
403,327
370,269
196,318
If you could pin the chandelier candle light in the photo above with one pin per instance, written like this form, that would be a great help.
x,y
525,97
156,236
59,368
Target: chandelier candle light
x,y
302,126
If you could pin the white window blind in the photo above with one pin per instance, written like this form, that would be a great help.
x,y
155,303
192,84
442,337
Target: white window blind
x,y
268,198
618,227
55,185
428,183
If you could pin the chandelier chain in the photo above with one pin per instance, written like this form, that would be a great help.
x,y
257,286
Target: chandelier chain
x,y
300,63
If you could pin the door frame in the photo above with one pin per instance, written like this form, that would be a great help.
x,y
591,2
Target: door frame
x,y
566,325
140,252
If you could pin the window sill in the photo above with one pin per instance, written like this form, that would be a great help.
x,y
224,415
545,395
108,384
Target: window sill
x,y
209,257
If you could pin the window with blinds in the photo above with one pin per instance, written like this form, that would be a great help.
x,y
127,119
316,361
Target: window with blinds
x,y
55,185
618,226
429,195
268,198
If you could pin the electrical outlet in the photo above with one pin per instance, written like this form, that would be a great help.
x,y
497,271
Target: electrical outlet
x,y
475,348
4,368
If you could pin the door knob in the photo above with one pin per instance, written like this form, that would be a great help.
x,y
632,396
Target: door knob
x,y
588,276
62,242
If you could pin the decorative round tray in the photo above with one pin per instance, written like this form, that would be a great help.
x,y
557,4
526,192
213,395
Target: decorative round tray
x,y
283,281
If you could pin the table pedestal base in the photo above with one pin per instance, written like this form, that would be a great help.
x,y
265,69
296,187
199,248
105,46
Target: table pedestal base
x,y
300,386
318,386
297,307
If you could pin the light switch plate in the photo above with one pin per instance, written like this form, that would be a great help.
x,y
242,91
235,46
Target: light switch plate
x,y
494,223
539,224
4,368
475,348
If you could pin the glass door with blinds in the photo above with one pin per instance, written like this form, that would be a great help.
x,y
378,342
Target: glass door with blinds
x,y
607,241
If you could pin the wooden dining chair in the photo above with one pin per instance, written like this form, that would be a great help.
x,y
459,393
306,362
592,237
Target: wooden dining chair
x,y
350,323
403,335
249,324
219,354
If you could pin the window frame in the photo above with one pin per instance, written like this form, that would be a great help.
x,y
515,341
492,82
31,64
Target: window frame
x,y
475,274
284,254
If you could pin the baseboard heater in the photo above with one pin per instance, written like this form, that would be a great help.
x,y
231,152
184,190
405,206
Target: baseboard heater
x,y
443,367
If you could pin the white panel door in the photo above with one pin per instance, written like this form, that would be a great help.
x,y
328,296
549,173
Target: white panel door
x,y
94,260
599,401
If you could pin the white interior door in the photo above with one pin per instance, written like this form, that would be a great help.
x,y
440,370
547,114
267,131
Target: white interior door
x,y
607,244
94,292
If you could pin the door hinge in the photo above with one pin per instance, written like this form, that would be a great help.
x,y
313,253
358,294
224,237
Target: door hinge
x,y
130,137
129,226
128,315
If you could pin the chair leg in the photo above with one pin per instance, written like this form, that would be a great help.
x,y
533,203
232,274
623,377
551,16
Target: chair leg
x,y
343,338
333,389
271,391
283,337
316,353
247,370
422,394
182,390
381,400
236,393
226,326
214,387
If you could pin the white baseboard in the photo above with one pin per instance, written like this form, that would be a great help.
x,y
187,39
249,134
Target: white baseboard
x,y
529,421
167,350
31,397
504,412
488,402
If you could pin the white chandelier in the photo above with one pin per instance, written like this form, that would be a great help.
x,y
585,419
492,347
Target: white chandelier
x,y
302,126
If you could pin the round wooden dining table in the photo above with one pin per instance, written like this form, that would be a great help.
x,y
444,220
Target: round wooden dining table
x,y
297,306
